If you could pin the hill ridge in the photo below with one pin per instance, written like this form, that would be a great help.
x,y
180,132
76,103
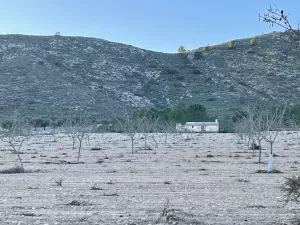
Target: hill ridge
x,y
44,76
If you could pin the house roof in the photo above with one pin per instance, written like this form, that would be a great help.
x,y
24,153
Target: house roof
x,y
201,124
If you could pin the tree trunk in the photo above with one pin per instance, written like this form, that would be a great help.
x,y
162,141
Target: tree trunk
x,y
156,144
145,135
132,145
88,139
259,157
79,150
271,144
248,143
73,138
20,160
17,152
252,146
166,137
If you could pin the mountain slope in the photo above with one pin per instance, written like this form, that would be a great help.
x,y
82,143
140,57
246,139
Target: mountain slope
x,y
51,75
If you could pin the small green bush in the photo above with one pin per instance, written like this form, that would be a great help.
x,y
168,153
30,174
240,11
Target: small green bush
x,y
231,44
181,49
269,58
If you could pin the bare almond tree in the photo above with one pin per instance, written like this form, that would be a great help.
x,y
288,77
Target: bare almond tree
x,y
274,122
155,128
71,132
15,133
278,17
131,127
167,128
251,125
54,129
78,129
149,127
145,129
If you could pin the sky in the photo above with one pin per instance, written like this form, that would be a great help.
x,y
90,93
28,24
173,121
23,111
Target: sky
x,y
158,25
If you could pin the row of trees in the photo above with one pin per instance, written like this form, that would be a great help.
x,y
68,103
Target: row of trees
x,y
252,124
257,123
15,131
176,114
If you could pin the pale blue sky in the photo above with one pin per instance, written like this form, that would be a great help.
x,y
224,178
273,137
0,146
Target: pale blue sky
x,y
159,25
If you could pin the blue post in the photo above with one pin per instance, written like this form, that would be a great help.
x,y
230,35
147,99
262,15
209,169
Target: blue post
x,y
270,162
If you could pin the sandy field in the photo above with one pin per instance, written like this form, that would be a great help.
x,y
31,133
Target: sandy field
x,y
203,179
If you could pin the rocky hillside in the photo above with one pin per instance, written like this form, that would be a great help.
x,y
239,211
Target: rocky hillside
x,y
50,75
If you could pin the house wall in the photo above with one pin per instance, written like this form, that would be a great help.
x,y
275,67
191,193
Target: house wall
x,y
212,128
197,128
193,128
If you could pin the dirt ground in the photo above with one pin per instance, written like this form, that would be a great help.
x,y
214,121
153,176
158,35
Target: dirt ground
x,y
203,179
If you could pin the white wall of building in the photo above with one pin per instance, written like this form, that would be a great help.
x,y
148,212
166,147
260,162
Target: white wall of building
x,y
212,129
199,127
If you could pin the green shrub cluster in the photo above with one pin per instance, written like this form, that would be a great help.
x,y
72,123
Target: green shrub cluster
x,y
206,48
269,58
181,49
231,44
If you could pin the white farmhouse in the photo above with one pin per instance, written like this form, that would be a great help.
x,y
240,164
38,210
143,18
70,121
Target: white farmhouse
x,y
199,126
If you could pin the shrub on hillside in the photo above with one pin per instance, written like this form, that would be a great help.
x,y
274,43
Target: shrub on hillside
x,y
181,49
231,44
269,58
198,55
252,41
206,48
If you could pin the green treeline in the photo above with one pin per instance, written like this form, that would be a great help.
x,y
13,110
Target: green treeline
x,y
175,114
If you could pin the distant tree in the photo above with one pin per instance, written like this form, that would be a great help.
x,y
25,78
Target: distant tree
x,y
39,122
149,127
54,131
179,113
131,126
167,127
78,128
196,113
181,49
